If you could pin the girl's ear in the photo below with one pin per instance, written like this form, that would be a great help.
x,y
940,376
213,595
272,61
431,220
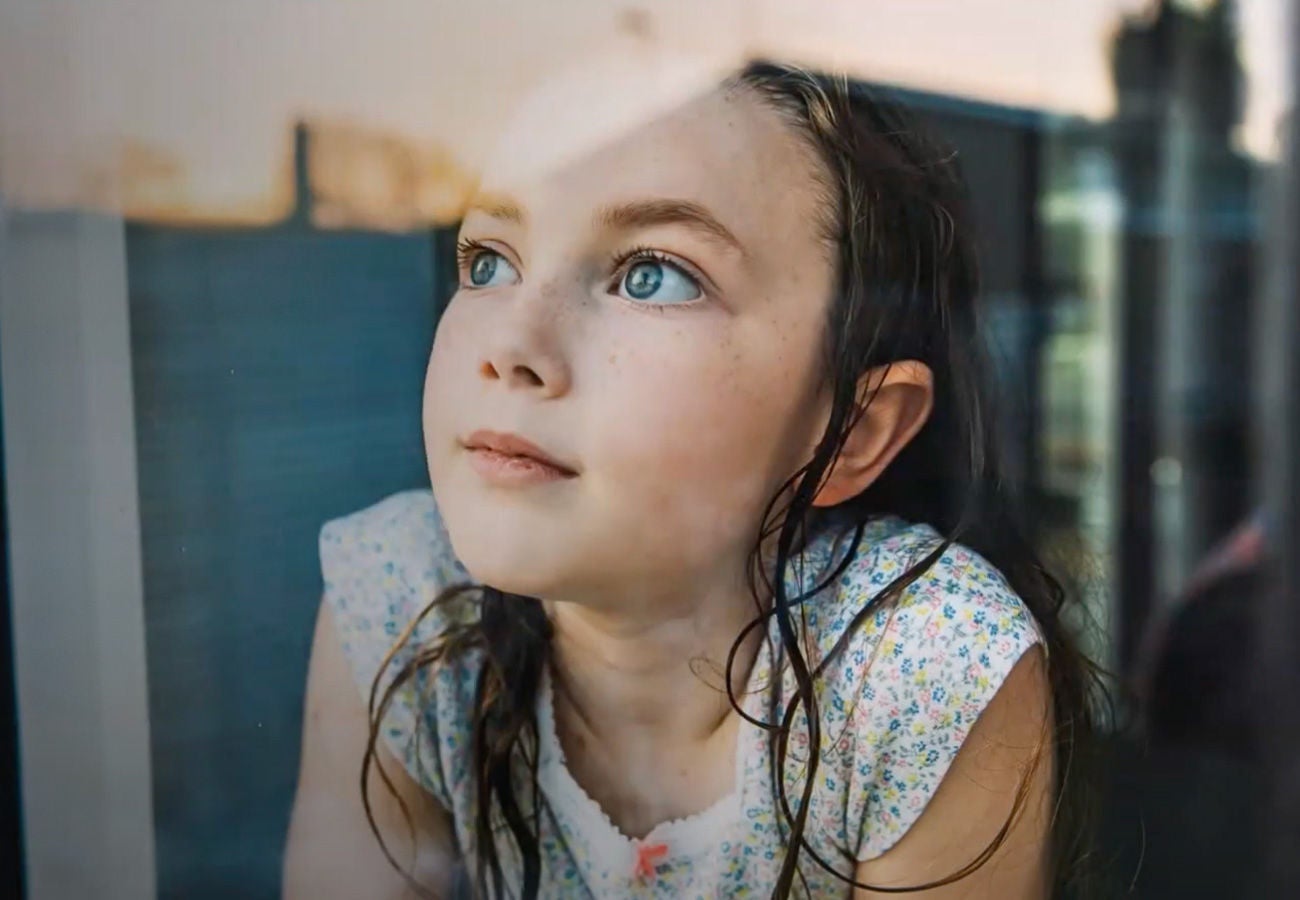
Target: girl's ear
x,y
896,400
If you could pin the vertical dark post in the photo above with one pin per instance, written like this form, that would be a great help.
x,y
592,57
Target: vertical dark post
x,y
301,214
1137,439
1140,58
1038,306
1279,624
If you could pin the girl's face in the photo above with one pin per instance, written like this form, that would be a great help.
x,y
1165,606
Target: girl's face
x,y
649,319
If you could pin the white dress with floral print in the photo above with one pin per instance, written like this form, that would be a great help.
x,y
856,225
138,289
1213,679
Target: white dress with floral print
x,y
896,704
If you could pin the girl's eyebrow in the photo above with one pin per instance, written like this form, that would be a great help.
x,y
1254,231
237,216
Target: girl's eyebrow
x,y
502,208
647,213
627,216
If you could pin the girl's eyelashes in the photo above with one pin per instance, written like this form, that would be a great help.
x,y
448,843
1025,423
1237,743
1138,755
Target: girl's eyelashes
x,y
644,275
481,267
641,275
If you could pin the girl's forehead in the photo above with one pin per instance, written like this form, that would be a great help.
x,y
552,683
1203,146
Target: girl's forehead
x,y
723,149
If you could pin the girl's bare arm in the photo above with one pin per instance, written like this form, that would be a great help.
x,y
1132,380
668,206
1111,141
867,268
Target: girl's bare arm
x,y
331,850
973,801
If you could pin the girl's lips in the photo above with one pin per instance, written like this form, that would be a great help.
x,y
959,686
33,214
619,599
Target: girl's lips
x,y
512,446
504,470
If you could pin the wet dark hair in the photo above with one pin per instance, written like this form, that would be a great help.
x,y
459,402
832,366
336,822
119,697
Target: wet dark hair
x,y
906,289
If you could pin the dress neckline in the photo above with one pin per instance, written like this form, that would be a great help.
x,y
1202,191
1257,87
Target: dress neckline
x,y
696,834
687,836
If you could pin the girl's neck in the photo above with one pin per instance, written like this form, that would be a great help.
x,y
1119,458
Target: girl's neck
x,y
654,679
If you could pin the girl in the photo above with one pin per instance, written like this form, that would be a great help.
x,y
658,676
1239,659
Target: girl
x,y
717,593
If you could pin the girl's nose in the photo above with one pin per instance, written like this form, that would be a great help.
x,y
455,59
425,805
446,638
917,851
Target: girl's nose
x,y
526,355
547,377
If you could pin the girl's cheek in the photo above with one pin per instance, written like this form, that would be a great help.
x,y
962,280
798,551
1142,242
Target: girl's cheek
x,y
691,427
453,354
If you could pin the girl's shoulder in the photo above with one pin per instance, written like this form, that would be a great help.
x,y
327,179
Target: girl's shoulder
x,y
384,564
402,529
957,604
382,567
908,675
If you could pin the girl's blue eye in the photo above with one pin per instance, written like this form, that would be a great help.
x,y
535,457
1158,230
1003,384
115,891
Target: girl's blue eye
x,y
653,281
490,269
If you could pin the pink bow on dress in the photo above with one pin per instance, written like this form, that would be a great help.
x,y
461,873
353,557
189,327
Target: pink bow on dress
x,y
647,857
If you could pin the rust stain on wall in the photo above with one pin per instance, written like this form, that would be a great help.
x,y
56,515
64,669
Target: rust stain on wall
x,y
147,183
339,175
364,178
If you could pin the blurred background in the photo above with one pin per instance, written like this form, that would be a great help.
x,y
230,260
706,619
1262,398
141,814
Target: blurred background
x,y
224,248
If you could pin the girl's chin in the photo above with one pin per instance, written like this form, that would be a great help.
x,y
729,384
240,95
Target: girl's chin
x,y
513,572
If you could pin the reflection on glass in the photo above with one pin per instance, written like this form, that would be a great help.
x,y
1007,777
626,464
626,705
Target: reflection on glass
x,y
277,376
